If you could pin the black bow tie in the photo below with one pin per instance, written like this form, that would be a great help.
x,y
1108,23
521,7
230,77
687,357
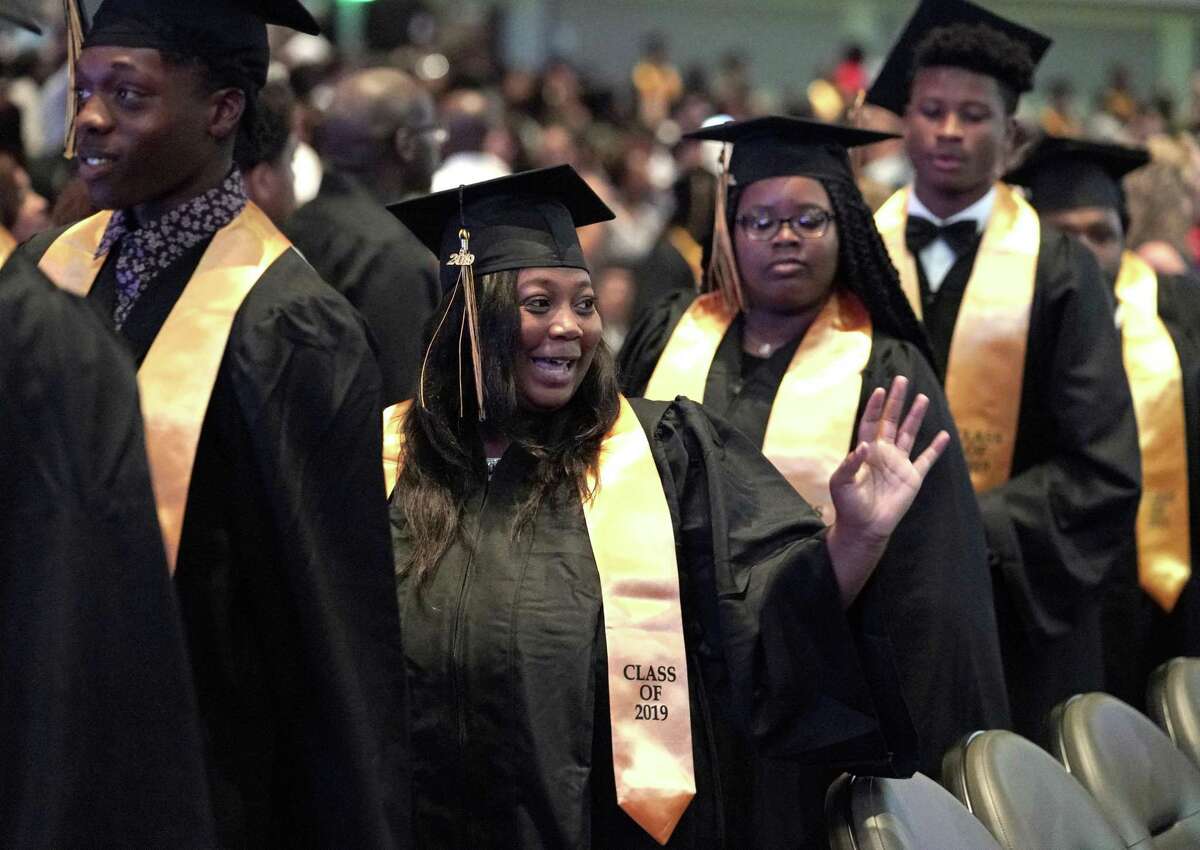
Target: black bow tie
x,y
920,233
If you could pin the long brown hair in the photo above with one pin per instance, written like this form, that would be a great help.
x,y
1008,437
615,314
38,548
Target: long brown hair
x,y
443,458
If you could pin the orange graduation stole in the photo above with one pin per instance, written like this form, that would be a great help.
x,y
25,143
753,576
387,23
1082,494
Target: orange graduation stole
x,y
177,377
811,426
633,541
985,368
1156,383
8,244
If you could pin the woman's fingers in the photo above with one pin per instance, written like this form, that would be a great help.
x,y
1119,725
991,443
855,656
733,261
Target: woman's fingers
x,y
930,456
892,409
849,467
868,425
907,435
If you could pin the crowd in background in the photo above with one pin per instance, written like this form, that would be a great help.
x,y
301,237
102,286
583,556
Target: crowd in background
x,y
625,137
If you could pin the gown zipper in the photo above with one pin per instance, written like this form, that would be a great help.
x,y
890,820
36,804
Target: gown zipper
x,y
456,650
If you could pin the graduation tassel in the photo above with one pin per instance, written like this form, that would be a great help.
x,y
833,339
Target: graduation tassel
x,y
722,274
74,48
429,348
465,261
856,117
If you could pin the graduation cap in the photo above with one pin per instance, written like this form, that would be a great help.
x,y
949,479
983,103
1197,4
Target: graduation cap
x,y
231,34
780,146
1064,173
22,13
524,220
891,87
774,146
519,221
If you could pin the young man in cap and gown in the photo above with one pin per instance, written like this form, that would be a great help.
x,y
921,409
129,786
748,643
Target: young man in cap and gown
x,y
260,395
99,734
1021,328
1152,612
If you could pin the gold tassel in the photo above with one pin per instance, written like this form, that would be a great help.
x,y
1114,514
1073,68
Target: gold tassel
x,y
856,117
722,273
432,339
74,48
465,261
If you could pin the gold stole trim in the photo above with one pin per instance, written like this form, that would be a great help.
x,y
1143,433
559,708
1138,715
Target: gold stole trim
x,y
633,542
825,374
986,365
1156,382
682,368
177,377
8,244
393,443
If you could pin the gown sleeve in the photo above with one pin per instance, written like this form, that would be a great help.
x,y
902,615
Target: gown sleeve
x,y
798,679
647,339
1064,521
308,392
100,737
933,586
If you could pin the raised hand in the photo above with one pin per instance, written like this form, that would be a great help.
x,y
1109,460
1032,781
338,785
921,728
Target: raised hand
x,y
877,482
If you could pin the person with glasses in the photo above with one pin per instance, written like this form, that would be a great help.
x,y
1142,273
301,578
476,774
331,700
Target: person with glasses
x,y
380,144
803,317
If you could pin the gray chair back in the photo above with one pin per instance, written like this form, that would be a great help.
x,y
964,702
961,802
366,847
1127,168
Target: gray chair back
x,y
1173,702
872,813
1147,787
1024,797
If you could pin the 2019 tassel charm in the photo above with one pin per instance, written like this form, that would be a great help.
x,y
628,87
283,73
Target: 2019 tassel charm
x,y
465,261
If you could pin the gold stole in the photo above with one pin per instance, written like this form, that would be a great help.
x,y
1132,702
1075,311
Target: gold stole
x,y
811,426
633,542
1156,382
393,443
177,377
8,244
986,364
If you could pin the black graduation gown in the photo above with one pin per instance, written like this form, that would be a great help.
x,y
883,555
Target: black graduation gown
x,y
365,253
1063,524
662,272
99,736
507,666
1139,635
284,571
932,589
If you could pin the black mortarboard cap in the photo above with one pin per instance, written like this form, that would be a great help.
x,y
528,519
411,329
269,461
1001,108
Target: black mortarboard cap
x,y
1064,173
779,146
891,87
23,13
524,220
232,33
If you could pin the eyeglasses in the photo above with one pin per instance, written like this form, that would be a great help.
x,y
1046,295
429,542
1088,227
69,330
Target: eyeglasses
x,y
761,225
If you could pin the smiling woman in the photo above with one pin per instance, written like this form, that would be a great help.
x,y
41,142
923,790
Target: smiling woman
x,y
609,603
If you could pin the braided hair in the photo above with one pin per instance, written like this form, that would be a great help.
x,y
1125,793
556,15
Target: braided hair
x,y
865,267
